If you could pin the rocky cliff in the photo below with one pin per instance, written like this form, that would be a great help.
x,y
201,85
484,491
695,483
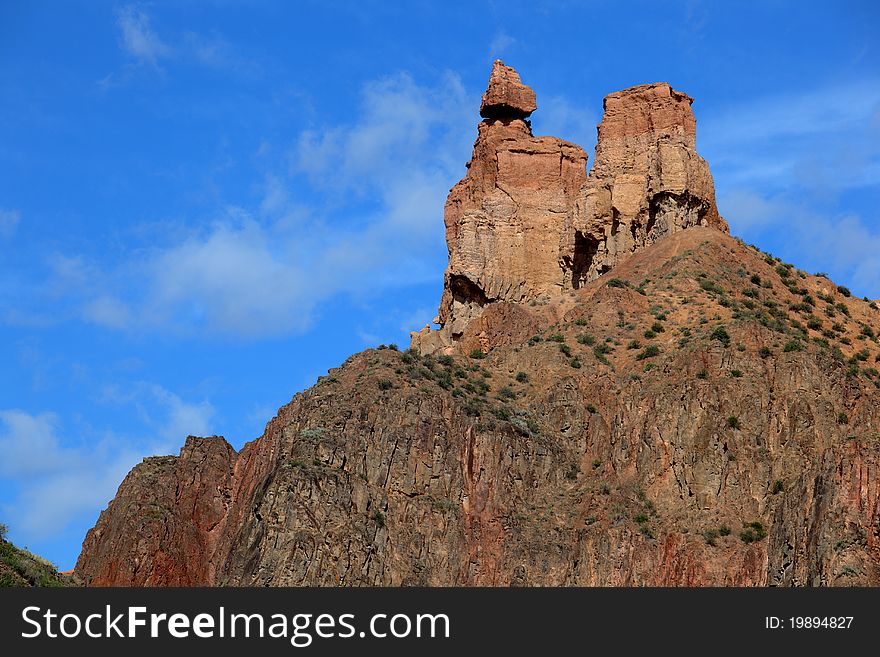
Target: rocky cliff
x,y
673,408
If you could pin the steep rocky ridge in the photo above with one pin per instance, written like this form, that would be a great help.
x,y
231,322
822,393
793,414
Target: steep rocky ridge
x,y
701,414
574,457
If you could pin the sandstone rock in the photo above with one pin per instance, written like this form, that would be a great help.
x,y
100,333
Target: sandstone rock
x,y
504,219
527,224
507,97
647,181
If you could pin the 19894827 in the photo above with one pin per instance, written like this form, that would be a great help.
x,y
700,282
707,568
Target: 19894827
x,y
808,622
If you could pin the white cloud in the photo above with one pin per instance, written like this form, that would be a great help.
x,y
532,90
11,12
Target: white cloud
x,y
138,38
232,280
500,45
381,182
29,445
846,246
163,412
108,311
824,138
800,170
9,220
182,419
59,478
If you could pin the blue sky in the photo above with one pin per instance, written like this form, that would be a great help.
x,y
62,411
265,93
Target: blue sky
x,y
206,205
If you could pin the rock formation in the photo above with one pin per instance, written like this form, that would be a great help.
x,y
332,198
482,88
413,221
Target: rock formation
x,y
503,220
527,224
647,181
706,415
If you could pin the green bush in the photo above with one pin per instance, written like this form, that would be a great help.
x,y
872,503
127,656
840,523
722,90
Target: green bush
x,y
616,282
522,377
710,536
580,321
793,345
733,422
473,406
842,418
711,286
752,532
443,379
557,337
599,351
648,352
575,363
736,373
778,486
702,374
587,339
649,334
478,354
379,518
591,408
634,344
720,333
385,384
844,290
448,361
764,352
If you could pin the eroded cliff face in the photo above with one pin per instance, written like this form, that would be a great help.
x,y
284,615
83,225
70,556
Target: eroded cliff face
x,y
526,223
705,415
164,527
730,448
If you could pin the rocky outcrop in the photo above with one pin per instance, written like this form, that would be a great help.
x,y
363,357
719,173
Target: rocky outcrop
x,y
526,224
163,527
506,96
647,181
503,220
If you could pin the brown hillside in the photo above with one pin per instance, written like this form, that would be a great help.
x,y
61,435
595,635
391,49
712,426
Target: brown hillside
x,y
629,469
